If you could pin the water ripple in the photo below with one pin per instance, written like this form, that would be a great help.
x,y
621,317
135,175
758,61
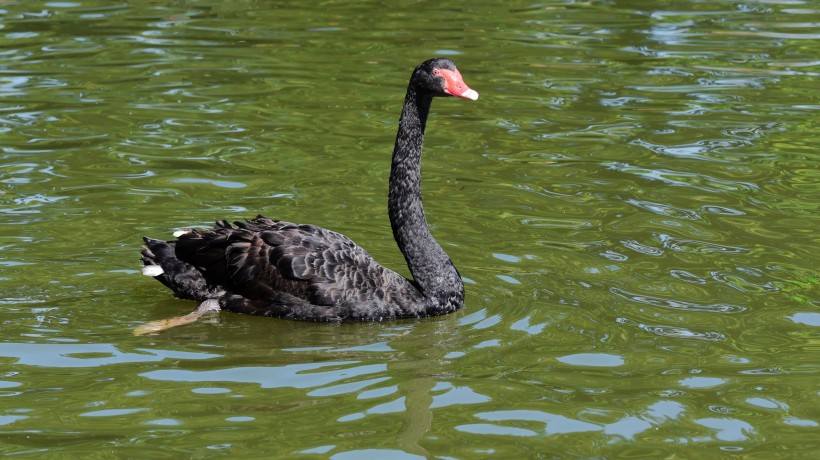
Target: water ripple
x,y
627,426
683,333
292,375
592,360
685,179
64,355
689,245
674,304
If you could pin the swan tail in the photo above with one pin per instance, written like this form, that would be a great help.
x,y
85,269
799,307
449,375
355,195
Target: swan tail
x,y
161,263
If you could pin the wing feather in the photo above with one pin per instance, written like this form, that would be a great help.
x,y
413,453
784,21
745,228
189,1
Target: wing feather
x,y
260,257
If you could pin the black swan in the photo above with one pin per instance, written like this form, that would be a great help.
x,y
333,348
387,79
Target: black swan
x,y
295,271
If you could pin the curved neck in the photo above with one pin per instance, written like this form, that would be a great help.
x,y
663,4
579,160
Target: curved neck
x,y
432,270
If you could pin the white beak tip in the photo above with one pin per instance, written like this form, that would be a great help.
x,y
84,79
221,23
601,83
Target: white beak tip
x,y
470,94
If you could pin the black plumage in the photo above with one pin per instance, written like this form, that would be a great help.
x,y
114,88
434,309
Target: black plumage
x,y
297,271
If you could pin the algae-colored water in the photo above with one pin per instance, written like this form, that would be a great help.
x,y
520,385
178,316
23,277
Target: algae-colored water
x,y
633,203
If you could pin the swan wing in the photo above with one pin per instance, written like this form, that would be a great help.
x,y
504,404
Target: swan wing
x,y
261,257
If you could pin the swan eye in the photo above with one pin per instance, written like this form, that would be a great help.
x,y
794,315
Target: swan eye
x,y
436,72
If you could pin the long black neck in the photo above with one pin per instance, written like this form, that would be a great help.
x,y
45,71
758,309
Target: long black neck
x,y
432,270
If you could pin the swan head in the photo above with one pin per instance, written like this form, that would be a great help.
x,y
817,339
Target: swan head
x,y
440,77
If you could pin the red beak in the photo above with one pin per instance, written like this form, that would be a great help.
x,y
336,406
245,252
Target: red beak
x,y
454,85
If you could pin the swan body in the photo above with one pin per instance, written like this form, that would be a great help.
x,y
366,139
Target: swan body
x,y
299,271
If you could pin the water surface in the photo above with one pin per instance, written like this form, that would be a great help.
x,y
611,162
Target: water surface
x,y
632,202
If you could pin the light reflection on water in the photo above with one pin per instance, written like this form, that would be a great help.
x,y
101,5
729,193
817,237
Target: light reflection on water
x,y
67,355
293,375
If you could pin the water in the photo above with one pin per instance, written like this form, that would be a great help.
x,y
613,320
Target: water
x,y
632,202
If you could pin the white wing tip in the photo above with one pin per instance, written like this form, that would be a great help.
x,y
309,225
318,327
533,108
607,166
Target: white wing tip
x,y
179,233
152,270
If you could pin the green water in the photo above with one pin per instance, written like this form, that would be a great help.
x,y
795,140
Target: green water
x,y
633,203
